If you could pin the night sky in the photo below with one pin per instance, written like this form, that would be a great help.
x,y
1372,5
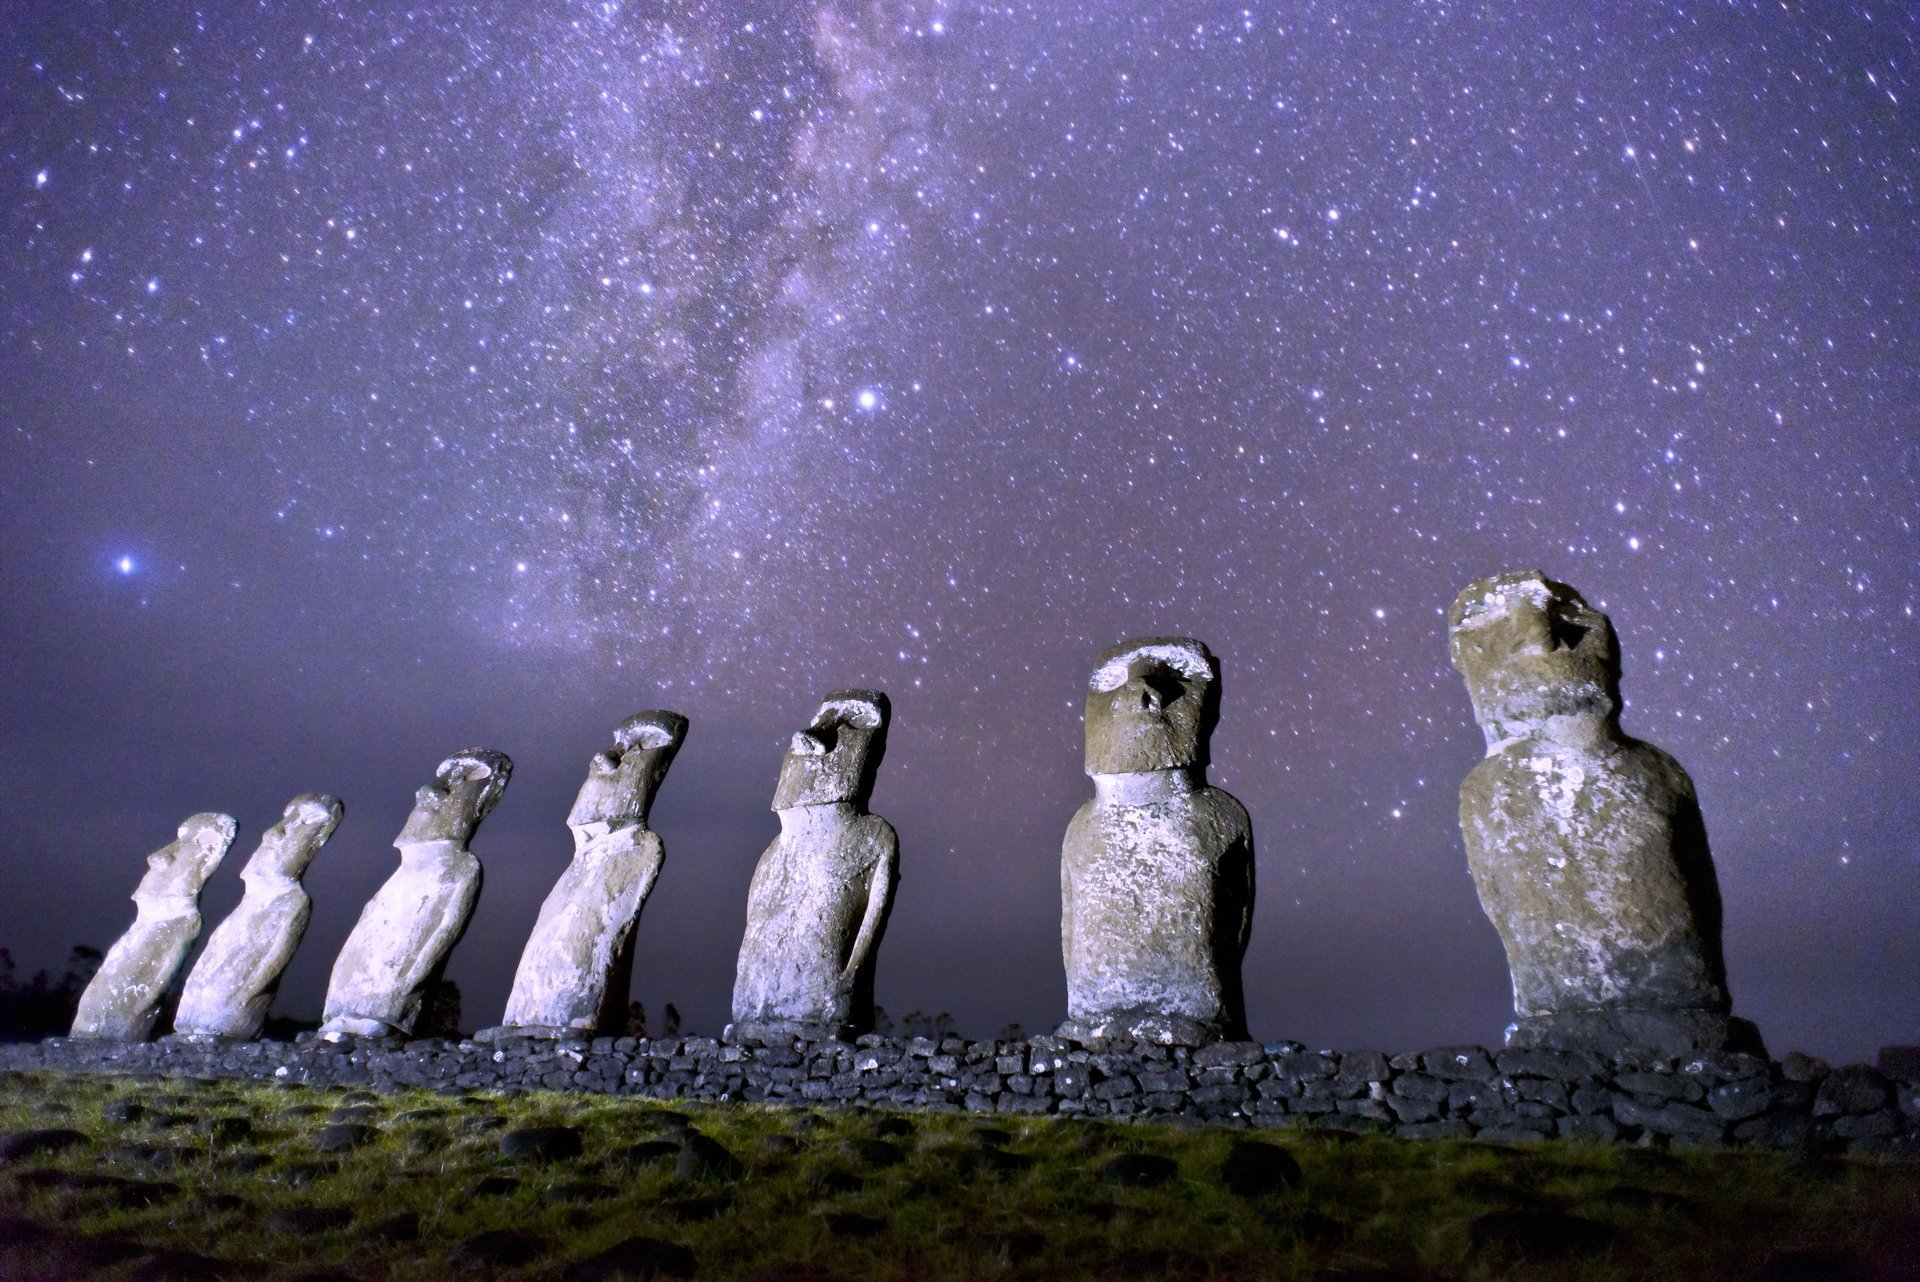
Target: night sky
x,y
382,382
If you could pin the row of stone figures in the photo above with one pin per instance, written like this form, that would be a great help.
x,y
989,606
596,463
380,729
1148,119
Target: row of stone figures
x,y
1586,846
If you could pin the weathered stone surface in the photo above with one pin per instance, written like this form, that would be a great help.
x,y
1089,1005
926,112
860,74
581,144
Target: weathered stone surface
x,y
123,1000
576,969
1156,872
230,988
401,942
821,892
1852,1088
1586,845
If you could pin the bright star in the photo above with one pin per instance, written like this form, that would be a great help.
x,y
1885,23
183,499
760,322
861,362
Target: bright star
x,y
124,565
868,398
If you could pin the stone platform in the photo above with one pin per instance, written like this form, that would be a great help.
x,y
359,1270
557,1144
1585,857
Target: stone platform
x,y
1510,1096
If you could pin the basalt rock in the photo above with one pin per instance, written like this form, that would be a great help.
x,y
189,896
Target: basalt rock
x,y
232,985
821,892
1587,846
123,1000
401,942
1156,873
577,967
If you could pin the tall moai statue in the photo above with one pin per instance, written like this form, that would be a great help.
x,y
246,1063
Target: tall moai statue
x,y
821,892
577,967
123,1001
400,945
1586,845
1156,874
230,988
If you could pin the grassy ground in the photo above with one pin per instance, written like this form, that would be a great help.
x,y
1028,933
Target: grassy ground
x,y
205,1180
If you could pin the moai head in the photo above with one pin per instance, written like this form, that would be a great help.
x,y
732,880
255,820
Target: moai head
x,y
621,780
1532,650
837,756
1151,703
464,789
183,866
305,825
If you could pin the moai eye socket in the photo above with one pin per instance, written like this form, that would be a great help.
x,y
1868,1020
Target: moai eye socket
x,y
1565,633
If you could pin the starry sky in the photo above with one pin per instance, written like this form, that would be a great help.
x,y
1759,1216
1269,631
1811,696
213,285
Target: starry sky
x,y
381,381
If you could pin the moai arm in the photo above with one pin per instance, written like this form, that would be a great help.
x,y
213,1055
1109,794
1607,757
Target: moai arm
x,y
879,903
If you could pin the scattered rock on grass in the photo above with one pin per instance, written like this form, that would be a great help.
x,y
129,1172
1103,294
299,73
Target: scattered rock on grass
x,y
342,1136
542,1144
637,1258
21,1144
706,1159
647,1152
1254,1169
497,1249
877,1154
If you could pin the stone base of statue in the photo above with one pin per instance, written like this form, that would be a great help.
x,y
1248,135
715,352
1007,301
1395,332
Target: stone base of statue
x,y
352,1028
533,1033
785,1032
1662,1032
1157,1026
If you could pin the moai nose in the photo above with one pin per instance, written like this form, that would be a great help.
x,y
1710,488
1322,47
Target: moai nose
x,y
805,745
1149,697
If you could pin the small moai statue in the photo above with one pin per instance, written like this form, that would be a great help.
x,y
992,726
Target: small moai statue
x,y
1156,873
821,892
230,988
577,967
1587,846
123,1001
400,945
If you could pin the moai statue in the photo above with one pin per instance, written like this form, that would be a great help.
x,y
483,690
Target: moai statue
x,y
1587,846
400,944
230,988
578,965
1156,874
123,1001
821,892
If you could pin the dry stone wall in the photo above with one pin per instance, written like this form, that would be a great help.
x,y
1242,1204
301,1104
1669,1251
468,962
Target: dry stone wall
x,y
1510,1096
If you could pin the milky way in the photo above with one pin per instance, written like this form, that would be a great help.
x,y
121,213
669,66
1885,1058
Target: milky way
x,y
383,380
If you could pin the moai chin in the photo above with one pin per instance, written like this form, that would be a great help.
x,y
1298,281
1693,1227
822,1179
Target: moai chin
x,y
230,988
1156,873
123,1001
577,967
821,892
400,944
1587,846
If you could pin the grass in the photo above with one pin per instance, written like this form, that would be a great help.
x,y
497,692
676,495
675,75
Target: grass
x,y
174,1194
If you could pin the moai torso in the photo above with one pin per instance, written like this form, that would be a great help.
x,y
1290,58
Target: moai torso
x,y
1156,873
575,971
1586,846
821,892
123,1000
230,988
405,933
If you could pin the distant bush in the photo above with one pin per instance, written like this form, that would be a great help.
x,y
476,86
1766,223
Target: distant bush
x,y
43,1006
